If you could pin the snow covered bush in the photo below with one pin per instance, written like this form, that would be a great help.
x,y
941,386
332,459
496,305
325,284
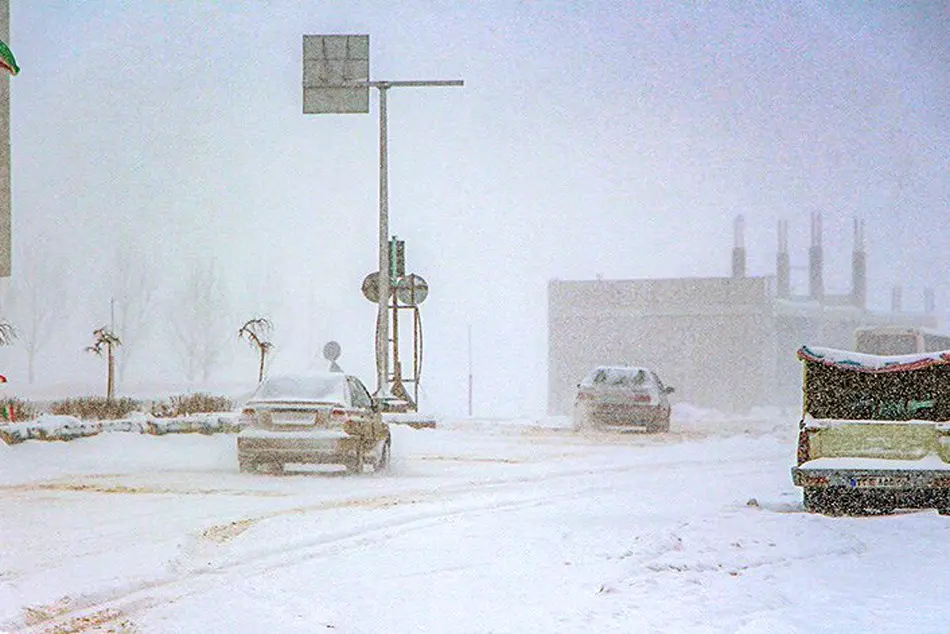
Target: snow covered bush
x,y
95,407
187,404
16,409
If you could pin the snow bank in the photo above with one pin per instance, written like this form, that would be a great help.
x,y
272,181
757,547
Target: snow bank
x,y
51,427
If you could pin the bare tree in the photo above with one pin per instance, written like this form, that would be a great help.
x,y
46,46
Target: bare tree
x,y
198,322
36,298
256,332
134,288
105,338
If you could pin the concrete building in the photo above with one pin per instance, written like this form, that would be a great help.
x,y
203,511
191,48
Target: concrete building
x,y
723,342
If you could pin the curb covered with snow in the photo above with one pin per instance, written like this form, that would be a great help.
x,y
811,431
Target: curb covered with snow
x,y
51,427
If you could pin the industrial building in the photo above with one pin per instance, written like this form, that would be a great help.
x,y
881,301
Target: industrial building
x,y
724,342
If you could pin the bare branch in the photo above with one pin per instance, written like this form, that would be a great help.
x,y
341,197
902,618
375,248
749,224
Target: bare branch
x,y
103,338
256,331
7,333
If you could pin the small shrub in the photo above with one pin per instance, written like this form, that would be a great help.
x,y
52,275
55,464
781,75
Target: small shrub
x,y
187,404
16,409
96,407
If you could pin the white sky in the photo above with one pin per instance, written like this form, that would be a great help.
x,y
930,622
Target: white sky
x,y
601,138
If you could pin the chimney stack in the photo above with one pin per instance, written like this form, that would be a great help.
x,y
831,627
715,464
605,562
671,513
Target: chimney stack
x,y
816,285
859,268
782,265
896,299
738,248
930,306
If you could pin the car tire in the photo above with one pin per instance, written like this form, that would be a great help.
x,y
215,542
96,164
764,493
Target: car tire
x,y
355,466
580,419
814,500
833,501
659,425
384,459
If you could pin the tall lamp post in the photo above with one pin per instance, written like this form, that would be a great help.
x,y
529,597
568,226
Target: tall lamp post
x,y
336,81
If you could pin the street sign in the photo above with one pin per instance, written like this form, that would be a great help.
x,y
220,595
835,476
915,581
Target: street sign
x,y
371,287
336,80
331,351
411,290
334,67
397,257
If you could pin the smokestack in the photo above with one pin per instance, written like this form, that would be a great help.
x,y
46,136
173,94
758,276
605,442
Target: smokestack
x,y
816,285
738,248
930,306
896,299
859,268
782,266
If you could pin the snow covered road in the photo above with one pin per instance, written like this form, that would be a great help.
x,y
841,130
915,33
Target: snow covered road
x,y
497,526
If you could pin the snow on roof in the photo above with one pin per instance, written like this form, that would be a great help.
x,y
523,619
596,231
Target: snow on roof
x,y
861,362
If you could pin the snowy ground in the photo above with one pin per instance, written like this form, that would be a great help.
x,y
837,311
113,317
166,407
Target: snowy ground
x,y
482,526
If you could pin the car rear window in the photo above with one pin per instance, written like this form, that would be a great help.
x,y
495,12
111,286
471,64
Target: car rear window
x,y
620,377
317,388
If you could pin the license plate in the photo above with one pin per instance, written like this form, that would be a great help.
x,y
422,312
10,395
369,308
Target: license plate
x,y
293,418
877,482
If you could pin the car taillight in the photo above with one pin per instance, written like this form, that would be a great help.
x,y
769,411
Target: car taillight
x,y
641,398
804,446
584,396
806,480
338,416
248,412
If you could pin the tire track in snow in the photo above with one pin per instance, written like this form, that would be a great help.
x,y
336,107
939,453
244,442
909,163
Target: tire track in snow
x,y
90,611
187,580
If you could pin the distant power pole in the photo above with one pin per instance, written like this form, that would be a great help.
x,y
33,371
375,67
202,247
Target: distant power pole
x,y
470,370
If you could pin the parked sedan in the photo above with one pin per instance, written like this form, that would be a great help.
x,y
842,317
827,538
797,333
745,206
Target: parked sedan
x,y
622,397
317,418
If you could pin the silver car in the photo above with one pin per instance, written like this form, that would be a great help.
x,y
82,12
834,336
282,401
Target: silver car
x,y
620,398
315,418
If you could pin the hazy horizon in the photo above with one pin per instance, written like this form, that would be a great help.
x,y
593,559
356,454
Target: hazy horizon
x,y
606,139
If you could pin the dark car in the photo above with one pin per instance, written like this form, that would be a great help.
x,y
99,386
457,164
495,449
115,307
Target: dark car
x,y
622,397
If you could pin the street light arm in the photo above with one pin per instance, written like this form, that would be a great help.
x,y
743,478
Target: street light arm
x,y
413,83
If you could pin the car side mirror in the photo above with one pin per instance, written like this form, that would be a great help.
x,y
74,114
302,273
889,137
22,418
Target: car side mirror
x,y
375,405
669,389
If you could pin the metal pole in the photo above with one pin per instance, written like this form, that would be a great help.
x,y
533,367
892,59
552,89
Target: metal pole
x,y
470,370
382,331
397,366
